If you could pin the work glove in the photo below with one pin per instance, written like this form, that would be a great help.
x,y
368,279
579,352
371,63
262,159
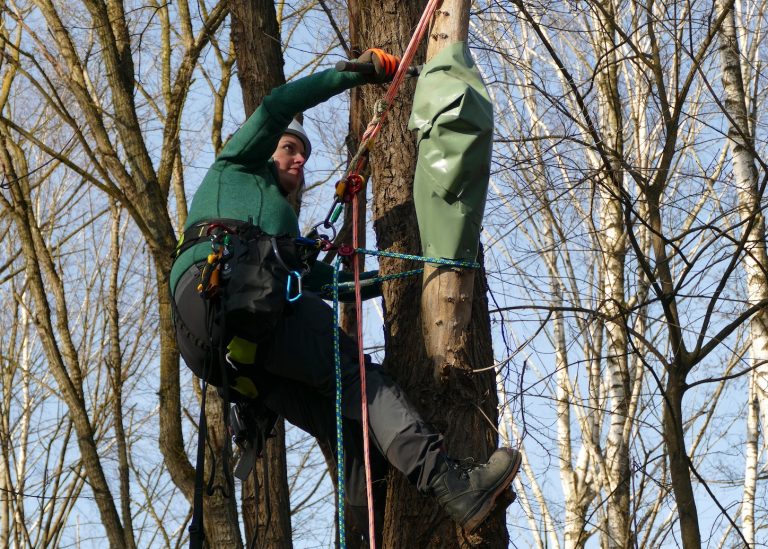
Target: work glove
x,y
384,64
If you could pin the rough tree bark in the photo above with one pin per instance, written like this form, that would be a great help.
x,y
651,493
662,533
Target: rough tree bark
x,y
256,39
460,405
358,118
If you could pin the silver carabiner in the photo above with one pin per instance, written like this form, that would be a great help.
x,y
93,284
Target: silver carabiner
x,y
325,225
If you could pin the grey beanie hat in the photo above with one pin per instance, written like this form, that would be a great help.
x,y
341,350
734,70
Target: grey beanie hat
x,y
294,128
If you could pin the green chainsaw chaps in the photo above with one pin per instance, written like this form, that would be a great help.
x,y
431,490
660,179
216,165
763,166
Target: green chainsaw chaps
x,y
453,115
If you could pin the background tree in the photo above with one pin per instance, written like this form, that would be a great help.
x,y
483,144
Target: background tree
x,y
671,184
256,40
88,82
751,192
463,405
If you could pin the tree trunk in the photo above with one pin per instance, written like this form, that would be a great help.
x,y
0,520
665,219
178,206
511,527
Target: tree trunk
x,y
457,406
446,301
358,119
267,517
741,142
677,371
613,243
256,38
222,528
752,453
674,436
576,491
116,367
348,321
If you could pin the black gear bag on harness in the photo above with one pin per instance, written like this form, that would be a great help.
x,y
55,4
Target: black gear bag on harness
x,y
250,278
266,276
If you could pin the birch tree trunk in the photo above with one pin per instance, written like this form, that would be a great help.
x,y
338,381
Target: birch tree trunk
x,y
755,258
571,475
612,238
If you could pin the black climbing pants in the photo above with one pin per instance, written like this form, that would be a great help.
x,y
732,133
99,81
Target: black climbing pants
x,y
295,376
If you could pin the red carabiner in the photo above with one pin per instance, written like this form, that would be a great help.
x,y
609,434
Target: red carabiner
x,y
353,184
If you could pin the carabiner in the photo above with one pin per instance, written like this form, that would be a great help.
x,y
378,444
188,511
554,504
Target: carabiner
x,y
325,225
292,274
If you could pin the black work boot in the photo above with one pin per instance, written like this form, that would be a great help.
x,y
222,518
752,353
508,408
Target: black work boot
x,y
468,490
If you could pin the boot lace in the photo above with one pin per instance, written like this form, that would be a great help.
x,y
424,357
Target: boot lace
x,y
465,466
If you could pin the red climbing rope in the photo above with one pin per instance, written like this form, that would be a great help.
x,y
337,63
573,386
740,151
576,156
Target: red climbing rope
x,y
366,142
363,390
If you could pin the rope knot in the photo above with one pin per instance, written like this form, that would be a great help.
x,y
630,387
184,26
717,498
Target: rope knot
x,y
380,107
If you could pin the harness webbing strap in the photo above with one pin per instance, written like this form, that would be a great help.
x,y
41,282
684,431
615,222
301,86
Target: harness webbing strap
x,y
196,528
196,531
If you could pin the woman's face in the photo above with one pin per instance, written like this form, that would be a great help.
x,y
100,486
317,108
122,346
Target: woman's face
x,y
289,161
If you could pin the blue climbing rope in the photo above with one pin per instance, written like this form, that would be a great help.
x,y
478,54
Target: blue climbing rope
x,y
433,260
339,429
327,289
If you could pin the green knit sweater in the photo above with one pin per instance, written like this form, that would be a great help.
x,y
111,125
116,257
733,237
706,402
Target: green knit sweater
x,y
242,182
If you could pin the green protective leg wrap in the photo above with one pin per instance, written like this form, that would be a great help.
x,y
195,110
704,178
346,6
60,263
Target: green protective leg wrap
x,y
453,115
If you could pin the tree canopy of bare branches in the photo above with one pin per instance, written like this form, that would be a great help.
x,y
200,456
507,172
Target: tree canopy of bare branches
x,y
624,247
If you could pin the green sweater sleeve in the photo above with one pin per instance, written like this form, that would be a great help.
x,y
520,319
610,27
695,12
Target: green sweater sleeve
x,y
253,144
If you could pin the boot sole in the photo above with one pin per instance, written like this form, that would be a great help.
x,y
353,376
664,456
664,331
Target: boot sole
x,y
481,513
